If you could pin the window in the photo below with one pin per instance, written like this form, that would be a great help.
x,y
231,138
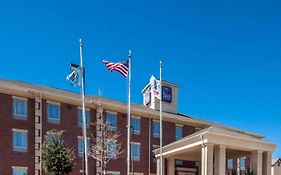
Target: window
x,y
111,121
135,151
19,170
154,147
19,140
20,108
230,164
156,128
81,147
179,132
243,163
111,148
179,162
53,112
80,119
136,124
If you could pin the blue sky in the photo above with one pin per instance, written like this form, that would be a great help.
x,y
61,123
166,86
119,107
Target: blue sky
x,y
224,55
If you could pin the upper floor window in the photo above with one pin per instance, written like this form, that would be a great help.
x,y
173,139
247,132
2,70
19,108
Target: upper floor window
x,y
136,125
81,145
80,119
243,163
156,128
19,140
20,108
19,170
179,132
230,164
111,149
135,151
111,121
53,112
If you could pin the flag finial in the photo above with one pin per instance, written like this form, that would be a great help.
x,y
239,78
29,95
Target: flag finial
x,y
130,53
80,40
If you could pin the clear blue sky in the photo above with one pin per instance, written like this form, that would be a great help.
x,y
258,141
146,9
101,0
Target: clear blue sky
x,y
225,55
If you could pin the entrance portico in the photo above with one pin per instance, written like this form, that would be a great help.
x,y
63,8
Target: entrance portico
x,y
212,147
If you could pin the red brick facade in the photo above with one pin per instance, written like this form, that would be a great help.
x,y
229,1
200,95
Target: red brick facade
x,y
69,123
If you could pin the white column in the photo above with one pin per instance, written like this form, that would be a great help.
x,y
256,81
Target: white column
x,y
220,160
160,166
171,166
207,159
257,162
267,157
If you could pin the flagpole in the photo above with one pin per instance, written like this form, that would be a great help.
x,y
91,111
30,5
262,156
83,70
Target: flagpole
x,y
161,125
83,112
129,117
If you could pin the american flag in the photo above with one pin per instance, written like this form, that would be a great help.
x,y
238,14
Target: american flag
x,y
121,67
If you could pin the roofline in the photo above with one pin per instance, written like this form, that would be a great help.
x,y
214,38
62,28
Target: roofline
x,y
278,159
30,90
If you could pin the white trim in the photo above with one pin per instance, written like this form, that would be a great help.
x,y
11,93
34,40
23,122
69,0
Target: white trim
x,y
20,98
80,108
111,112
136,173
137,117
182,148
136,143
20,167
54,103
81,137
19,130
116,172
176,124
155,146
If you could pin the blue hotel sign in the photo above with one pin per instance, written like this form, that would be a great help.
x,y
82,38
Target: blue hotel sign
x,y
167,94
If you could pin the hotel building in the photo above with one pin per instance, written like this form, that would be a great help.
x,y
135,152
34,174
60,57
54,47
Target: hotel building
x,y
191,146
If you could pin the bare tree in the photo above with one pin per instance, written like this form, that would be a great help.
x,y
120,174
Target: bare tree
x,y
105,145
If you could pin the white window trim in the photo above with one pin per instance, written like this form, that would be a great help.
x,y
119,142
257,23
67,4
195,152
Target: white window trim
x,y
81,108
20,167
19,130
20,115
19,98
136,143
54,103
53,120
17,148
135,173
155,146
114,172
